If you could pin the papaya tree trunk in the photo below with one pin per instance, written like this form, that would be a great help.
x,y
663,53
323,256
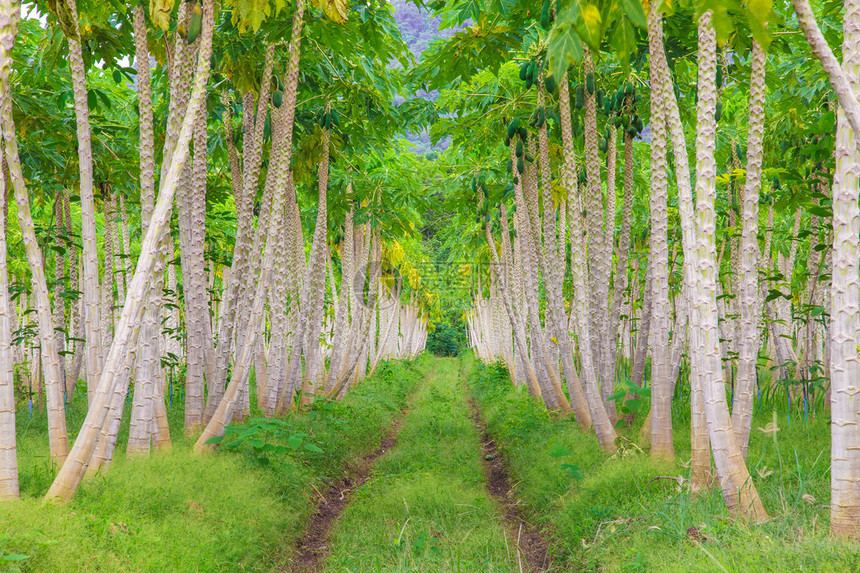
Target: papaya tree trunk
x,y
89,240
742,409
57,435
8,452
69,477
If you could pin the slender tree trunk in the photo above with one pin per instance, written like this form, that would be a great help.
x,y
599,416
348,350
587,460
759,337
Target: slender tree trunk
x,y
661,386
69,477
57,435
8,455
749,301
699,437
92,313
845,302
738,490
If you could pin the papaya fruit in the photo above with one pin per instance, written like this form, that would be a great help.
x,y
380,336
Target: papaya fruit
x,y
519,150
520,165
196,25
549,83
277,98
545,16
719,111
589,83
524,70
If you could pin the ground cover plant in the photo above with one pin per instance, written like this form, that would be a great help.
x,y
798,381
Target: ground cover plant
x,y
427,508
230,230
629,512
175,511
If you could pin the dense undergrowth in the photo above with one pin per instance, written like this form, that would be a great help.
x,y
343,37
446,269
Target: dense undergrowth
x,y
427,506
618,513
233,510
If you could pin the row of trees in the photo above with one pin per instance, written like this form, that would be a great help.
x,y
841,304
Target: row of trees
x,y
678,199
245,109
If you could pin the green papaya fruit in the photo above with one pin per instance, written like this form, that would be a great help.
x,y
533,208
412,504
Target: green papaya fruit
x,y
719,111
520,165
580,97
629,89
545,16
523,132
524,70
519,150
512,128
719,76
196,25
278,98
529,158
549,83
603,145
335,117
589,83
599,97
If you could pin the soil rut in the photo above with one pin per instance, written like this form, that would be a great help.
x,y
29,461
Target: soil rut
x,y
313,547
531,544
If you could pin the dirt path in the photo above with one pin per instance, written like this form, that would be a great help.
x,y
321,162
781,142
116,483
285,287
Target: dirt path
x,y
532,546
313,547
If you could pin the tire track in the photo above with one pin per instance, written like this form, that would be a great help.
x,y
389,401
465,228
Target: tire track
x,y
312,548
532,546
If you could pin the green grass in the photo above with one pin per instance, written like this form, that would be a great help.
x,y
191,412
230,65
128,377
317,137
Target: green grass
x,y
427,507
606,513
227,511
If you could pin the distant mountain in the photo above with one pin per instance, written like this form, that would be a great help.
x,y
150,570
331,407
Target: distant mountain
x,y
419,29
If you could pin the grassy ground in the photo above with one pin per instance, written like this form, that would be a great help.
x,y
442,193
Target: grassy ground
x,y
181,512
426,507
608,514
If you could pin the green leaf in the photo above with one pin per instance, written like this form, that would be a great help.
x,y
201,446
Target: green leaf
x,y
564,47
617,395
633,9
591,26
573,471
313,448
215,440
631,406
558,451
623,39
295,442
13,557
